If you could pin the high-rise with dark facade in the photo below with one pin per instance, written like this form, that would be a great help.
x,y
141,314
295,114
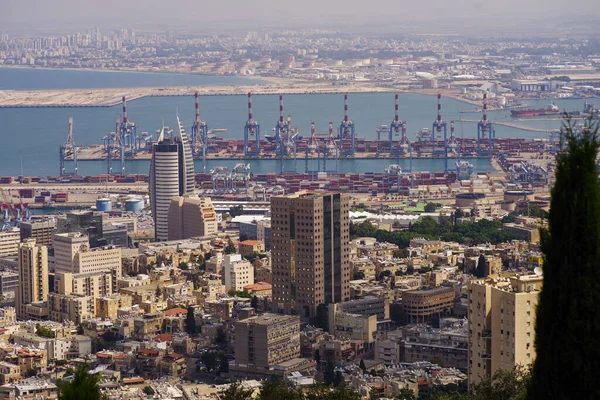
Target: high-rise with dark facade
x,y
171,174
310,249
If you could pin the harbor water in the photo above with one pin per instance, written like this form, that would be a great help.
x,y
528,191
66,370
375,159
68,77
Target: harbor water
x,y
37,133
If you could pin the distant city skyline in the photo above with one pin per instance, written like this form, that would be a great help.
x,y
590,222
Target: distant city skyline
x,y
381,17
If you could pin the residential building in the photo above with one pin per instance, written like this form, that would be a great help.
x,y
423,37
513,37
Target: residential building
x,y
72,254
107,307
422,304
310,243
346,325
259,289
42,231
264,341
71,307
98,284
237,272
249,247
171,174
501,317
9,242
191,217
9,281
387,351
370,305
33,278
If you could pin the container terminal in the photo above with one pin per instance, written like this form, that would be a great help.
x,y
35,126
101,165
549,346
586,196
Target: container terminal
x,y
285,141
517,161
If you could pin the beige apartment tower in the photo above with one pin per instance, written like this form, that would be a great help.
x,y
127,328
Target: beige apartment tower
x,y
310,247
191,217
33,277
501,318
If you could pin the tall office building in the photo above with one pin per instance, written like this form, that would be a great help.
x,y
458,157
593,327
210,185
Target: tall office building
x,y
33,278
171,174
191,217
501,319
310,248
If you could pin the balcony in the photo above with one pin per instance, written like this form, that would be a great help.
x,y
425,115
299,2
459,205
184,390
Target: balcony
x,y
486,334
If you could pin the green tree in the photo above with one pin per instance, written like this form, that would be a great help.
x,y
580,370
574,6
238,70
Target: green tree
x,y
406,394
148,390
209,359
184,266
230,249
362,366
31,372
510,218
277,389
385,273
190,321
504,385
83,386
329,373
254,302
338,379
480,269
358,275
569,302
320,391
430,207
235,391
223,363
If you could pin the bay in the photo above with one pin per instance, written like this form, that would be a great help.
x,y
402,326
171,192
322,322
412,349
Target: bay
x,y
38,132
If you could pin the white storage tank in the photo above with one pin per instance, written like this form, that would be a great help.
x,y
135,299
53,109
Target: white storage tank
x,y
134,204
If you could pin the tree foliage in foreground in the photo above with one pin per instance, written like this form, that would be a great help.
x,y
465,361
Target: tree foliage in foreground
x,y
277,389
567,326
83,386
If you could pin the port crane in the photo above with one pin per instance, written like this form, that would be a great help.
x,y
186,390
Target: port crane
x,y
251,133
332,149
398,129
438,131
68,149
285,137
312,148
199,135
346,135
485,133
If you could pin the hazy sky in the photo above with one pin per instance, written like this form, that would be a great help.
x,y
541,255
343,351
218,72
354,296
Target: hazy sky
x,y
190,14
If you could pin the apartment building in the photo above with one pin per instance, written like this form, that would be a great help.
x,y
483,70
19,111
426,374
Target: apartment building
x,y
190,217
72,255
422,304
9,242
71,307
501,316
33,278
264,341
237,272
310,241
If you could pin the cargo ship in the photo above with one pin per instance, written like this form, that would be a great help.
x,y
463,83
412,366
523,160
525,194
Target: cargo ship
x,y
532,112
